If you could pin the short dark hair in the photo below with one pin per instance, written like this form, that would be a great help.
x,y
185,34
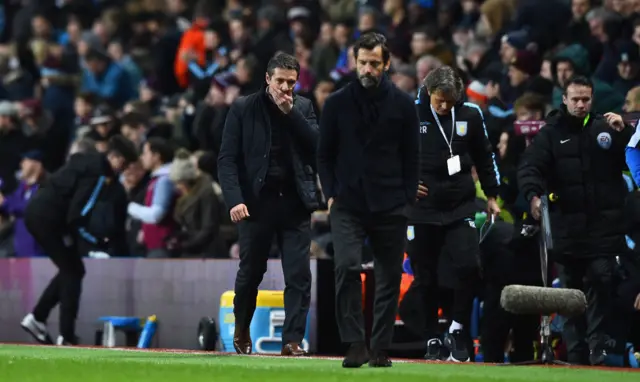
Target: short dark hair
x,y
134,120
123,147
580,81
161,147
531,101
89,97
249,62
282,61
430,32
370,41
565,60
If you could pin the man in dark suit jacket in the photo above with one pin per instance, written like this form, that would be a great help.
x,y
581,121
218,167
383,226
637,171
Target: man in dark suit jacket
x,y
266,169
368,160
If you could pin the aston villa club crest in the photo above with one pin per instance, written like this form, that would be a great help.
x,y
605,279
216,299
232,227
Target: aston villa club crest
x,y
461,128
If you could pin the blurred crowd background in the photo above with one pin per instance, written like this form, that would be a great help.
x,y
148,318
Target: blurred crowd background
x,y
73,73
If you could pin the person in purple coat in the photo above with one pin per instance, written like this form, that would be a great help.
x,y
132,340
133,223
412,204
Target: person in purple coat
x,y
14,204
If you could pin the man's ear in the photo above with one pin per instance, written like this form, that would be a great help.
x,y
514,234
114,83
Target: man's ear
x,y
266,78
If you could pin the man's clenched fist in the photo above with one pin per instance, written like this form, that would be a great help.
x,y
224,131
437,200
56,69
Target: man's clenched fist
x,y
239,212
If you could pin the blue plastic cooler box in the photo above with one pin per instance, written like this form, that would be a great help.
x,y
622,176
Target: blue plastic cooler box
x,y
266,326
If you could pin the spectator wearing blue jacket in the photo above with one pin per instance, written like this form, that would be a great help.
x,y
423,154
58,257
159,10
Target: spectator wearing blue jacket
x,y
14,204
107,79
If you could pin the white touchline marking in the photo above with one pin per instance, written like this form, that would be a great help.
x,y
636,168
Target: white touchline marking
x,y
194,352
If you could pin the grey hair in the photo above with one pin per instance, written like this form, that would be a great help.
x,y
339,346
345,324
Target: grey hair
x,y
368,10
446,80
83,145
431,61
600,13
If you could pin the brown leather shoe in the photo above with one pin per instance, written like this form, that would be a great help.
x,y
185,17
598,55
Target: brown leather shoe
x,y
242,341
293,349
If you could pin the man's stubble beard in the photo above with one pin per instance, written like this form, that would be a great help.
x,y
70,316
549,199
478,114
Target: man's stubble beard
x,y
368,82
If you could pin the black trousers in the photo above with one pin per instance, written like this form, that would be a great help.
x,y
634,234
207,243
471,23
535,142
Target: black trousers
x,y
453,248
281,217
66,286
595,277
386,233
496,324
624,318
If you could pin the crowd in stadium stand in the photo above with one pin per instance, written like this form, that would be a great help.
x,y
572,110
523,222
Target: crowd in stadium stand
x,y
75,73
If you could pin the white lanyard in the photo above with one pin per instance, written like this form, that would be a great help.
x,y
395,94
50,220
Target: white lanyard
x,y
453,124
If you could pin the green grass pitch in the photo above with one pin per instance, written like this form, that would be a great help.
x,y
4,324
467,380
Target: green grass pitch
x,y
61,364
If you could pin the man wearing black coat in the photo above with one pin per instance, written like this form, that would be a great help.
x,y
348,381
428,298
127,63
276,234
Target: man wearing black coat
x,y
80,208
368,155
579,157
266,168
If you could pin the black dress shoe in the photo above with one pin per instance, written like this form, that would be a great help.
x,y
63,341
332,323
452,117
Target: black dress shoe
x,y
293,350
242,342
357,355
380,359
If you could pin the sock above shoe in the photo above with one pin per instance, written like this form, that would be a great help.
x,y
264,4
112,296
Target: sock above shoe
x,y
455,326
67,341
455,343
